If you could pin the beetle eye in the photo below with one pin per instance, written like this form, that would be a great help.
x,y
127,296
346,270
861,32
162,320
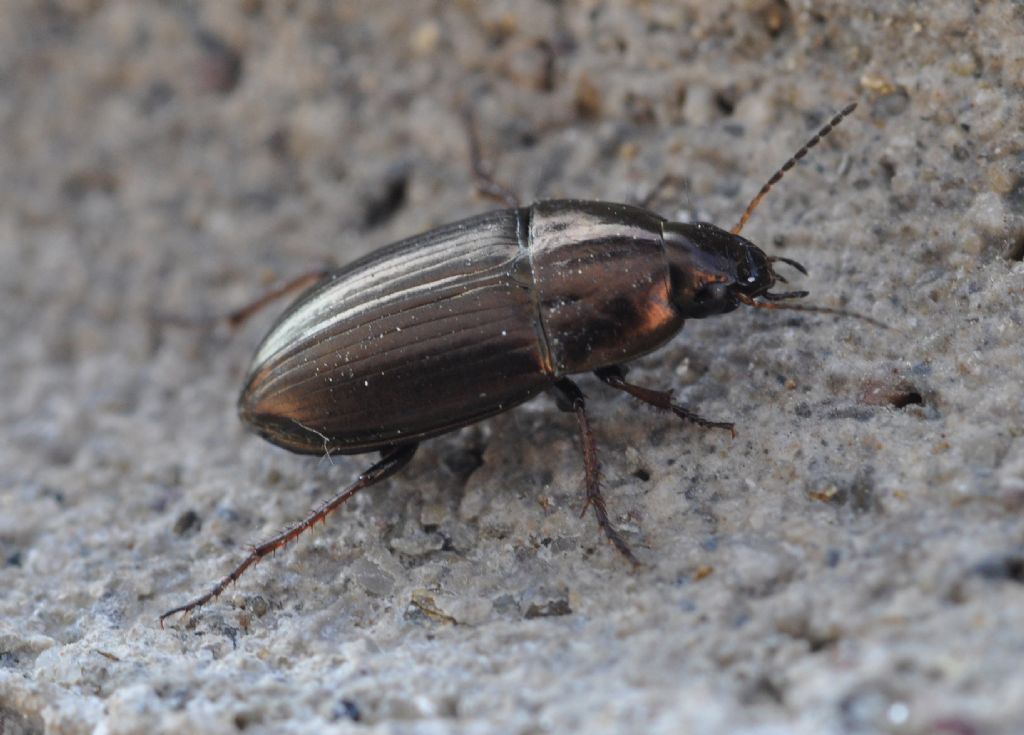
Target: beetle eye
x,y
751,279
715,291
746,274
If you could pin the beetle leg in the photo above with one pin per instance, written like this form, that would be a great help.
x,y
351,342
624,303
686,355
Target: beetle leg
x,y
660,399
570,398
392,460
238,316
681,182
485,182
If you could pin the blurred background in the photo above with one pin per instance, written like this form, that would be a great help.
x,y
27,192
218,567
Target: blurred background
x,y
851,562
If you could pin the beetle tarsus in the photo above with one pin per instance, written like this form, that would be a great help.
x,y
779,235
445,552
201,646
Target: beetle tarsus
x,y
660,399
570,395
392,460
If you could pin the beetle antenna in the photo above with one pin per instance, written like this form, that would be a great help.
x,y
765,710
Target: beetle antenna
x,y
777,176
806,307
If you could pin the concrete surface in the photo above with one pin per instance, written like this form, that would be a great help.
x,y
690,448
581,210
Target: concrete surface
x,y
853,561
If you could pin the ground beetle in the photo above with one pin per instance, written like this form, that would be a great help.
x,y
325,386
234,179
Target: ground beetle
x,y
468,320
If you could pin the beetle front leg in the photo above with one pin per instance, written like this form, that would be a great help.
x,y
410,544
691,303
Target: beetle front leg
x,y
570,398
661,399
391,461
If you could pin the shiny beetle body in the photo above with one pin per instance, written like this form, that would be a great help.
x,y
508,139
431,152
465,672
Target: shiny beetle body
x,y
462,322
465,321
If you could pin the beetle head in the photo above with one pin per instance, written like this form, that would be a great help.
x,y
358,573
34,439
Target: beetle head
x,y
713,271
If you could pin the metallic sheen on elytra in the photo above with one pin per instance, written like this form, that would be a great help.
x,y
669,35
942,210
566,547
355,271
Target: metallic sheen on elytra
x,y
472,318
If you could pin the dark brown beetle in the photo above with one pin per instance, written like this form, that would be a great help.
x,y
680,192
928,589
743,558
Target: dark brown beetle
x,y
468,320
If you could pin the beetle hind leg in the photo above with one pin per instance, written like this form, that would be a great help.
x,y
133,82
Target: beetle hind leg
x,y
391,461
615,376
664,183
486,184
570,398
236,318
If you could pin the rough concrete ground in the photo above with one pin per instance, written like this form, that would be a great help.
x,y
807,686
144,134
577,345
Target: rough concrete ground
x,y
853,561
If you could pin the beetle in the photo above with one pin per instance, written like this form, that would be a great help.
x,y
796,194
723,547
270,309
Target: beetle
x,y
457,324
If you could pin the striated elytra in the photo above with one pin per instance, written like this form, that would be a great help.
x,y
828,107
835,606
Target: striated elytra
x,y
465,321
455,325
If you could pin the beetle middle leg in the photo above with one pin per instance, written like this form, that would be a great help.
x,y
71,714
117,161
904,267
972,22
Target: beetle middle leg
x,y
391,461
615,376
570,398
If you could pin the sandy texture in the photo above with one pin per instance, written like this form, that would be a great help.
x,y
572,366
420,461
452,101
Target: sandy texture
x,y
853,561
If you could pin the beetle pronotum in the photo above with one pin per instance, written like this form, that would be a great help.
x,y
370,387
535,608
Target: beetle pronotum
x,y
484,314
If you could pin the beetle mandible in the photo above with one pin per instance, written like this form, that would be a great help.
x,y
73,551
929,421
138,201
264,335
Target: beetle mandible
x,y
481,315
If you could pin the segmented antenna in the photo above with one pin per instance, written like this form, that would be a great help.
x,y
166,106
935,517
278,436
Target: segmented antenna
x,y
790,163
807,307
